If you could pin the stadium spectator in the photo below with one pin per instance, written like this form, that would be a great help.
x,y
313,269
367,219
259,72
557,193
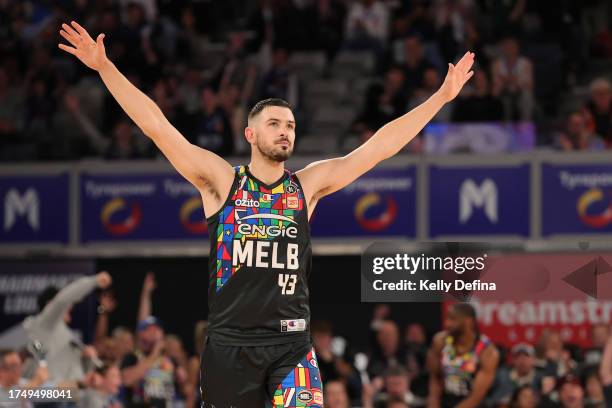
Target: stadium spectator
x,y
193,370
387,351
367,26
331,360
173,349
328,18
599,109
104,389
278,81
234,105
336,395
522,372
605,371
506,16
594,395
599,336
577,135
570,394
236,68
122,144
11,377
147,374
384,102
477,104
64,351
415,343
124,341
431,83
11,115
414,63
396,389
212,129
513,81
524,397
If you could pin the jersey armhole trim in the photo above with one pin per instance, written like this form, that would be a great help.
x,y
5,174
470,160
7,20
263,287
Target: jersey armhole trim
x,y
227,199
295,177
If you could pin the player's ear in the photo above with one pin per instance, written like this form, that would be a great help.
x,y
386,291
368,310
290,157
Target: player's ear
x,y
249,134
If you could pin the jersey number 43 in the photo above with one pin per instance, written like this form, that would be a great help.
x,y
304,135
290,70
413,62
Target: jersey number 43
x,y
287,283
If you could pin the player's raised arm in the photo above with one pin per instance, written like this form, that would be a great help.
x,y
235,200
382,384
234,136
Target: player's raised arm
x,y
326,176
202,168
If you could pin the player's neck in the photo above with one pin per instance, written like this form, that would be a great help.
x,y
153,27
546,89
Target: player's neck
x,y
465,340
267,171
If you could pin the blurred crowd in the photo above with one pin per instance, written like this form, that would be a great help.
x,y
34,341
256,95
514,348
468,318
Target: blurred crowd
x,y
148,367
206,62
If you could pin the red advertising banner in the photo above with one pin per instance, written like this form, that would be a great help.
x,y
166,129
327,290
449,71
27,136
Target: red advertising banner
x,y
569,293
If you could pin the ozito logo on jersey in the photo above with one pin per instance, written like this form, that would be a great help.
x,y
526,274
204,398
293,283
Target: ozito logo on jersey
x,y
247,203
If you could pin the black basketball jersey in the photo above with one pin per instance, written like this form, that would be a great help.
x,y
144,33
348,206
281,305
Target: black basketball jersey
x,y
260,260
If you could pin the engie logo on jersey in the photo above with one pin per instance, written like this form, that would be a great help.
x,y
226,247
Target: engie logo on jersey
x,y
294,325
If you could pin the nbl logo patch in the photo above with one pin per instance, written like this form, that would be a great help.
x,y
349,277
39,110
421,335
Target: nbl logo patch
x,y
305,396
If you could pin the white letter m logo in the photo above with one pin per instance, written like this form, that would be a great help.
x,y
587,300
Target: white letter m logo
x,y
472,195
16,205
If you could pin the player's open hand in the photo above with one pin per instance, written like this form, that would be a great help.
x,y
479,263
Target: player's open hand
x,y
90,52
457,76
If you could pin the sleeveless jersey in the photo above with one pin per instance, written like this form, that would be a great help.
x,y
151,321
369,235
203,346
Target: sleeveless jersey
x,y
260,260
458,371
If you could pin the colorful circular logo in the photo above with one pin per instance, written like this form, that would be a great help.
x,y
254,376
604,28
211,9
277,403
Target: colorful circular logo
x,y
115,208
186,214
371,204
592,200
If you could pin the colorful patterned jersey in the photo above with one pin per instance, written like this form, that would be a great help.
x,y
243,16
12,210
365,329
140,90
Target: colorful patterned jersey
x,y
459,370
260,263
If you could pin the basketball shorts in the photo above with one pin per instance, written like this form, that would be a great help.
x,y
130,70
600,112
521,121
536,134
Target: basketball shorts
x,y
283,375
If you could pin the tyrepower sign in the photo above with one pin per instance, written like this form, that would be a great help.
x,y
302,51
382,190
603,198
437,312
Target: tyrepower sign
x,y
569,293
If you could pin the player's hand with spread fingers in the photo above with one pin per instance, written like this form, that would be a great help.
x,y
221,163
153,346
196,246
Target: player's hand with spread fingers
x,y
457,76
91,53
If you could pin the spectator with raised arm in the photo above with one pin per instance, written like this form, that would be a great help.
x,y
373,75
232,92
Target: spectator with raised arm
x,y
64,350
106,305
148,373
577,135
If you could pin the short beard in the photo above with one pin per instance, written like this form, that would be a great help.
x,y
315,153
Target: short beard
x,y
277,156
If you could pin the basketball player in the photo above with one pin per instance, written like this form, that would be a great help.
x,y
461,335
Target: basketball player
x,y
462,362
258,350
